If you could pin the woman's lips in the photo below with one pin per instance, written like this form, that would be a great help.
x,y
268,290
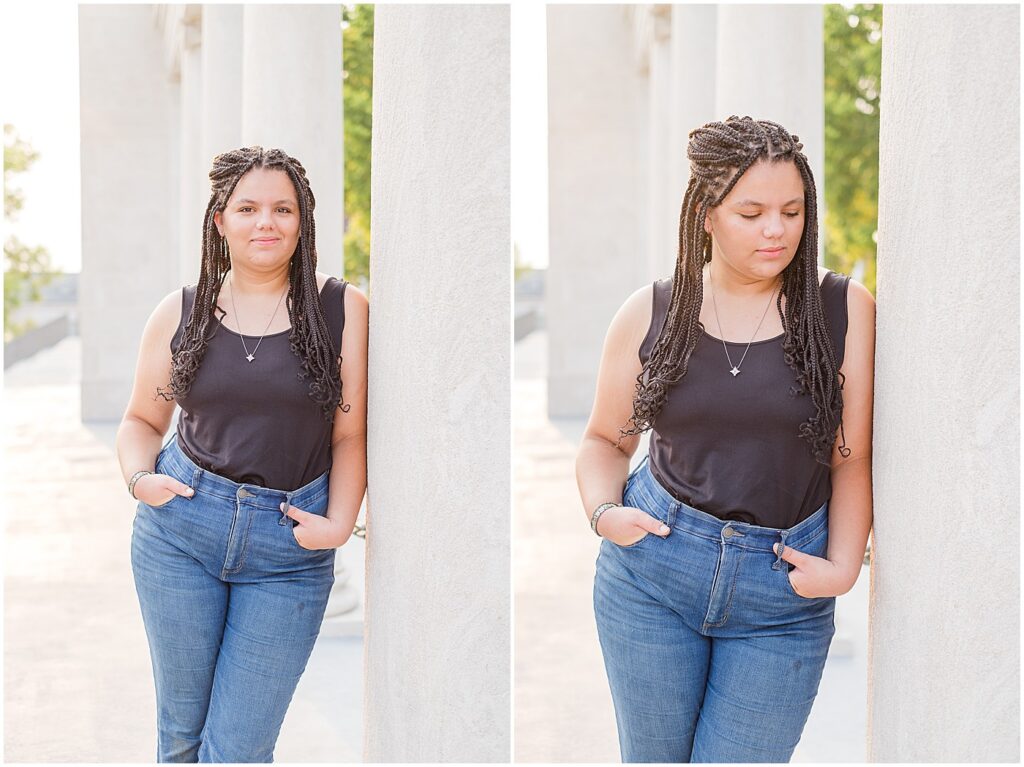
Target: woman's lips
x,y
773,252
266,240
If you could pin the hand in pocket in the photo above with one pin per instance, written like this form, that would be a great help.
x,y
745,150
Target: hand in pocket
x,y
813,576
626,525
159,489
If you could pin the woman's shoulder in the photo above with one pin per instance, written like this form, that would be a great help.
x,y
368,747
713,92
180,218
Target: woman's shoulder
x,y
630,323
353,300
638,305
860,307
854,291
168,312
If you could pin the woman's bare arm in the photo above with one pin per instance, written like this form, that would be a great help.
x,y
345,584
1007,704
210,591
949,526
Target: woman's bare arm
x,y
348,438
602,462
148,415
850,509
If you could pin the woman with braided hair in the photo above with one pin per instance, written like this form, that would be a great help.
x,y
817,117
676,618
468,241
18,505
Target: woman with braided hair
x,y
725,549
240,513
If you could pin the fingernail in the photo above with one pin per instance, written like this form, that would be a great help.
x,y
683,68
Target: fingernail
x,y
190,491
663,529
775,548
282,507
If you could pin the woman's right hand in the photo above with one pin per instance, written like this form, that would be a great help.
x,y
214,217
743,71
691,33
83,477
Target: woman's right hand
x,y
626,525
158,489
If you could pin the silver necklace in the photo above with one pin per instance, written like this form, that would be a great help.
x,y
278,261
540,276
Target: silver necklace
x,y
735,369
250,355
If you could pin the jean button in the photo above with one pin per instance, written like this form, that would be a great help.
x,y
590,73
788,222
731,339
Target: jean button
x,y
243,493
727,532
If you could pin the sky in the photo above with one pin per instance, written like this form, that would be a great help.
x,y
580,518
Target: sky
x,y
39,96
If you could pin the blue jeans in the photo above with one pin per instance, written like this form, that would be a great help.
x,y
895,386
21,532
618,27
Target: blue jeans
x,y
232,606
711,655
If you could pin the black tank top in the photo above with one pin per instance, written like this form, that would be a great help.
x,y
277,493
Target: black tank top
x,y
729,446
254,422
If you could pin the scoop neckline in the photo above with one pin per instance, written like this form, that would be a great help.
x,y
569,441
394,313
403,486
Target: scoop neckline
x,y
744,343
270,335
821,285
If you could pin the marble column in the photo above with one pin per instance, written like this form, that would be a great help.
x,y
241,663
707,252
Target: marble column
x,y
438,595
598,183
130,222
222,84
692,90
770,64
944,649
291,99
662,205
190,164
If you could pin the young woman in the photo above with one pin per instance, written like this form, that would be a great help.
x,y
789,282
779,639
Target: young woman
x,y
241,511
724,550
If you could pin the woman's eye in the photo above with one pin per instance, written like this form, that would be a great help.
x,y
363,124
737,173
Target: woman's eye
x,y
790,215
283,210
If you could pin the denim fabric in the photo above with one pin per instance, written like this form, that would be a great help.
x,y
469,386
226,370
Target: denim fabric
x,y
711,655
232,606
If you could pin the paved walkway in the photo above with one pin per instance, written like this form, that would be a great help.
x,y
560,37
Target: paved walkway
x,y
78,681
563,707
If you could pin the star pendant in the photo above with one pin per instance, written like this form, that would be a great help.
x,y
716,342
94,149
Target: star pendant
x,y
735,371
249,357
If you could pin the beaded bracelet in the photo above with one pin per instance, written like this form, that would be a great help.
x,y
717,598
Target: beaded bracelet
x,y
134,479
597,514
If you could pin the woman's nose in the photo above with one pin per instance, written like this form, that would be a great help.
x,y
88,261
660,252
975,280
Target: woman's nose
x,y
774,227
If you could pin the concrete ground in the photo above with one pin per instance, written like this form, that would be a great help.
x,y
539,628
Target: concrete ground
x,y
563,710
78,684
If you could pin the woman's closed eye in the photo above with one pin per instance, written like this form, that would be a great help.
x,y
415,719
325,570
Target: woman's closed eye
x,y
791,215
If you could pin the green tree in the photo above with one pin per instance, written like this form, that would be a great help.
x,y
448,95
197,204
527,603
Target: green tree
x,y
26,269
853,76
357,95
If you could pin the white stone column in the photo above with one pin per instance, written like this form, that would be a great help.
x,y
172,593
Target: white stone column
x,y
944,651
692,97
222,84
438,594
662,205
597,180
771,66
291,99
190,163
130,226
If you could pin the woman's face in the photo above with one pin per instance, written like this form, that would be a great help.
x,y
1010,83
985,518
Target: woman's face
x,y
261,219
757,229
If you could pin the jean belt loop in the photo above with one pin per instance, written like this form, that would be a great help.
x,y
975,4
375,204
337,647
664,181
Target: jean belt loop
x,y
782,544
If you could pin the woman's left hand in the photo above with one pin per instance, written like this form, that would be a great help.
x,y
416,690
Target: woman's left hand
x,y
813,576
313,531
